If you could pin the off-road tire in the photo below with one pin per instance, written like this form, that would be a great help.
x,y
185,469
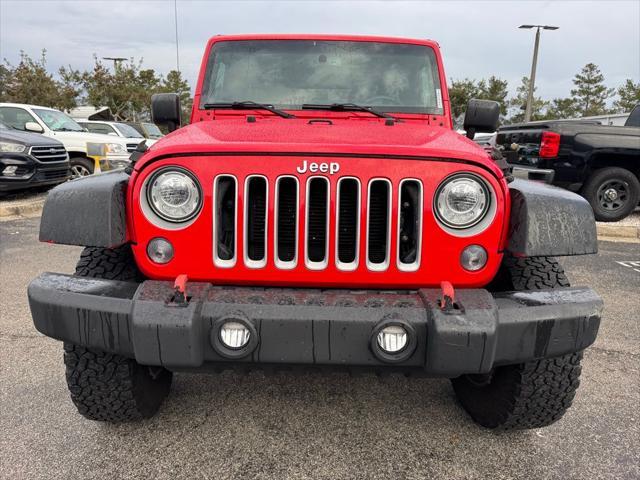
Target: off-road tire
x,y
109,263
112,388
528,273
105,386
527,395
612,174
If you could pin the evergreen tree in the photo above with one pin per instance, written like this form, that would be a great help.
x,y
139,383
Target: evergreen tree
x,y
519,103
590,93
30,82
629,94
494,89
562,108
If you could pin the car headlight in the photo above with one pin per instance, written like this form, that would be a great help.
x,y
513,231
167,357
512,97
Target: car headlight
x,y
116,149
10,147
462,201
174,195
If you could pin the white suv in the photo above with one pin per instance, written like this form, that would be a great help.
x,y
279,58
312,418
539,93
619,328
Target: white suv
x,y
88,152
118,129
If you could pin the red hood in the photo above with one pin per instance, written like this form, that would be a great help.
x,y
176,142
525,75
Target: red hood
x,y
353,136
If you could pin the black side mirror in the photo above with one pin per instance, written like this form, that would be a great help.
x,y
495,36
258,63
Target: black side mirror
x,y
165,110
482,116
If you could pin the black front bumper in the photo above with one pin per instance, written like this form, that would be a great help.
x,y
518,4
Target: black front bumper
x,y
314,327
30,172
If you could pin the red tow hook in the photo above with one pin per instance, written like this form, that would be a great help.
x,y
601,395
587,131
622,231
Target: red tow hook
x,y
448,296
180,286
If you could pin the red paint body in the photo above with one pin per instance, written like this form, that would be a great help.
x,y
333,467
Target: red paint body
x,y
422,147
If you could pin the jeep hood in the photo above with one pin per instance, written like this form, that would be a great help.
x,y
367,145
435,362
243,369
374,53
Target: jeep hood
x,y
369,137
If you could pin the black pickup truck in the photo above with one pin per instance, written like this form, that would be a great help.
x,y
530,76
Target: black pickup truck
x,y
600,162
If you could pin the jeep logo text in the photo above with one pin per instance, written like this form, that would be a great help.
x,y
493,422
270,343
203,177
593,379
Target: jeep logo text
x,y
313,167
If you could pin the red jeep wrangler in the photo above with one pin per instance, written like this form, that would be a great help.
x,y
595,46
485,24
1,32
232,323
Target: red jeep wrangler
x,y
319,211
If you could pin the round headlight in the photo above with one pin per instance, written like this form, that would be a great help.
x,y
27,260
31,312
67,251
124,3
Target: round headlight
x,y
174,195
462,201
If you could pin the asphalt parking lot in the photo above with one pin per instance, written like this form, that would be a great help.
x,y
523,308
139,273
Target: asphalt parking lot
x,y
328,426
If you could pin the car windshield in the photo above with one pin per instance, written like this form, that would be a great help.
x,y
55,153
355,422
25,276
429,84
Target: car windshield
x,y
287,74
3,126
152,130
58,121
128,131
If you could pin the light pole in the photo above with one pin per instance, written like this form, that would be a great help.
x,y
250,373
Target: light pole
x,y
532,77
115,60
175,19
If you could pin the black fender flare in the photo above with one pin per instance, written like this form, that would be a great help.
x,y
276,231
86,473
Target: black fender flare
x,y
549,221
89,211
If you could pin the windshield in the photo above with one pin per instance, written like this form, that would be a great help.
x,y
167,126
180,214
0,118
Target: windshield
x,y
289,73
152,130
3,126
58,121
128,131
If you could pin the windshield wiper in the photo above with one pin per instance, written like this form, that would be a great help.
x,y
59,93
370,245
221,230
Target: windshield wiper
x,y
347,107
249,105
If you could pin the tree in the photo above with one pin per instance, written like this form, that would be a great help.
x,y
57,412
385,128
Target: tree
x,y
30,82
562,108
126,91
590,93
629,94
494,89
519,103
460,92
174,83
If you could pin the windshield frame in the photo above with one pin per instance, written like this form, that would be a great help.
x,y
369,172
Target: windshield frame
x,y
441,111
38,112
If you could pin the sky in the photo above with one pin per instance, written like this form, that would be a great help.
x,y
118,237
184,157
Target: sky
x,y
477,38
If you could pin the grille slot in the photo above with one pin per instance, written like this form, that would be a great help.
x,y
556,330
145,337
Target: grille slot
x,y
317,222
256,221
286,222
132,146
224,220
348,223
49,153
55,174
379,199
409,225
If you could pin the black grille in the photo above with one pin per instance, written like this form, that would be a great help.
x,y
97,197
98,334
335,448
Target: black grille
x,y
225,204
317,219
410,205
54,174
131,147
378,221
49,153
348,220
287,215
256,211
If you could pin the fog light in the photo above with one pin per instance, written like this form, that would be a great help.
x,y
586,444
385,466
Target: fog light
x,y
234,335
160,250
473,258
10,171
392,339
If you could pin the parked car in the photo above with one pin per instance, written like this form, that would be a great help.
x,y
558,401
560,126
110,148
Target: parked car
x,y
600,162
119,129
147,129
30,160
340,224
88,152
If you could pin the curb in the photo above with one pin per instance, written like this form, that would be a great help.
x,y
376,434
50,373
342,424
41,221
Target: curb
x,y
29,208
618,231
